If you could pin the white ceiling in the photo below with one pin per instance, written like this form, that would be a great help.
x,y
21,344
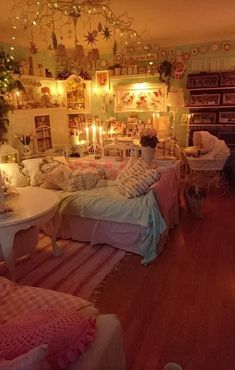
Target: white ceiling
x,y
164,23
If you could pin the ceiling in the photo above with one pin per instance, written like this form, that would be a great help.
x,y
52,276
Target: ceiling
x,y
164,23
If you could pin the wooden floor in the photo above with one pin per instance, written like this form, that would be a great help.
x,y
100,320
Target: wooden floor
x,y
181,308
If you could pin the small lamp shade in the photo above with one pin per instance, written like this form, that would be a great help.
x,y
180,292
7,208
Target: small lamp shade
x,y
8,154
175,98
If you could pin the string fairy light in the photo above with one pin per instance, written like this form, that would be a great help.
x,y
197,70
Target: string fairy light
x,y
53,15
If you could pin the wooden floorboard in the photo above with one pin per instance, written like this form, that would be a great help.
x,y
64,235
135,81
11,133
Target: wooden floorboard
x,y
181,307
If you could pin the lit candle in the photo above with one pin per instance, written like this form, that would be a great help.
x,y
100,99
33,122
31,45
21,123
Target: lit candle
x,y
101,135
87,135
94,133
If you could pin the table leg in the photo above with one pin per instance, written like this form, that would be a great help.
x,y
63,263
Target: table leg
x,y
7,240
57,250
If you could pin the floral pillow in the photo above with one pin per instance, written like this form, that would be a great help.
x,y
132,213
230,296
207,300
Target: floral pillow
x,y
65,332
67,179
32,167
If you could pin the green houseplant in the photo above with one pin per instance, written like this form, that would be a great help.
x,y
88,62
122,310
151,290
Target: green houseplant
x,y
7,84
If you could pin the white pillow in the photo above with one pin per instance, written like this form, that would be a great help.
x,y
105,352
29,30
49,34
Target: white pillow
x,y
31,167
13,175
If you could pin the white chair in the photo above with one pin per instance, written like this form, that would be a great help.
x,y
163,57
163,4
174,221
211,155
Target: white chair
x,y
116,150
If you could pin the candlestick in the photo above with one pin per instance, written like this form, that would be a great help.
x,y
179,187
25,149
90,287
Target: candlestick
x,y
87,135
101,136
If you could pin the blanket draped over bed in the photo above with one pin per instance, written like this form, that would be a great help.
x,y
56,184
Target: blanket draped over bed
x,y
106,203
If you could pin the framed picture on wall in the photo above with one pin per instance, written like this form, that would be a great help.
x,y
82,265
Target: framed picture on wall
x,y
227,117
204,99
203,118
229,98
102,79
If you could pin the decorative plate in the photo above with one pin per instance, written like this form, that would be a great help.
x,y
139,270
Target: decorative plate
x,y
178,52
194,51
204,49
186,56
227,46
215,46
103,63
163,53
118,58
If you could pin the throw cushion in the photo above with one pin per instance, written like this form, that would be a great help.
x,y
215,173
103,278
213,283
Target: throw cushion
x,y
32,167
67,179
136,178
31,360
18,300
65,332
13,175
139,184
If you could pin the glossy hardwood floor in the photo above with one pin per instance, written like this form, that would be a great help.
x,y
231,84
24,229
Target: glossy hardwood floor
x,y
181,308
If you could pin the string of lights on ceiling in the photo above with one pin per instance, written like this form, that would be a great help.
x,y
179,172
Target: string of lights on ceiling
x,y
48,18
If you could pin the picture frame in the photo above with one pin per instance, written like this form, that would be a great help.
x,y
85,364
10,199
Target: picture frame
x,y
228,98
208,118
140,98
227,117
195,81
227,79
205,99
102,79
185,119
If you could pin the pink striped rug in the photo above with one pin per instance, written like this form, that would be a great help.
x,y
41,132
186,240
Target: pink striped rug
x,y
79,271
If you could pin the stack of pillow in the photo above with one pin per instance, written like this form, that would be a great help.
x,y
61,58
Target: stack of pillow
x,y
50,173
136,178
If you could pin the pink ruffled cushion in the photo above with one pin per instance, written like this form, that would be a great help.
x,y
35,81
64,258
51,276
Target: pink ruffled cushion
x,y
65,332
32,360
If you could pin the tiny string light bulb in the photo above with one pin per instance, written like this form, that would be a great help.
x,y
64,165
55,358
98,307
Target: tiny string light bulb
x,y
34,23
14,27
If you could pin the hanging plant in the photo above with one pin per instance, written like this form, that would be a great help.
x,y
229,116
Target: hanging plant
x,y
7,84
164,70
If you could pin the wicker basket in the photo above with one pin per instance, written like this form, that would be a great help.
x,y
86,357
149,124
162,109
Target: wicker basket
x,y
203,164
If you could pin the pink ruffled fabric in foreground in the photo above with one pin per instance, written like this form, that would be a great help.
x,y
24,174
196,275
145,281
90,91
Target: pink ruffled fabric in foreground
x,y
65,332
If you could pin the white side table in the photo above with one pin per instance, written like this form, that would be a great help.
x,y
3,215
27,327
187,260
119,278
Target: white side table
x,y
32,207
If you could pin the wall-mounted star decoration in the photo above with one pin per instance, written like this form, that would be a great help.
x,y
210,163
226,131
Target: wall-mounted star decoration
x,y
91,38
107,33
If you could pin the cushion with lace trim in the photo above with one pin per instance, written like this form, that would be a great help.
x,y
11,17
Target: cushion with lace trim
x,y
65,332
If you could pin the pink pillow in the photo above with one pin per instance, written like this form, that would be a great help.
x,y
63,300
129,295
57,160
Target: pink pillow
x,y
64,331
32,360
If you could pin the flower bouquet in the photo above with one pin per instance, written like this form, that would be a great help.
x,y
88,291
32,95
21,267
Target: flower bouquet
x,y
148,137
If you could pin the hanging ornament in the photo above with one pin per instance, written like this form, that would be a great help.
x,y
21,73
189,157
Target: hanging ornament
x,y
90,38
115,48
107,33
179,68
54,40
33,48
100,27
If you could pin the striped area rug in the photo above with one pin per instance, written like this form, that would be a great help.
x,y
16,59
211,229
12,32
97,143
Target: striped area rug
x,y
79,271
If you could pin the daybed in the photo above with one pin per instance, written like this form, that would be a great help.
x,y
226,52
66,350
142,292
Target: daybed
x,y
135,225
104,353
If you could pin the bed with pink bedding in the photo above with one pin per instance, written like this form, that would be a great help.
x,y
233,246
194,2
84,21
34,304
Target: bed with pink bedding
x,y
123,235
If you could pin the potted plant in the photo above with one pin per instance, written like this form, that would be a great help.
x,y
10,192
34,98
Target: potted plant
x,y
148,141
7,84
